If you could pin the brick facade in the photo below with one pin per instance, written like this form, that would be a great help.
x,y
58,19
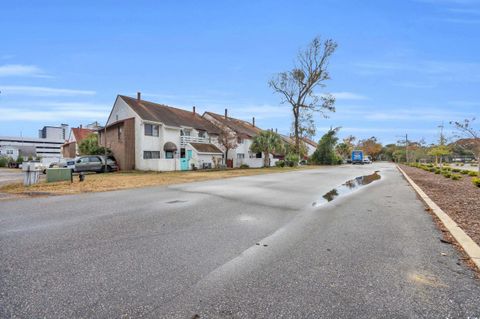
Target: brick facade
x,y
121,140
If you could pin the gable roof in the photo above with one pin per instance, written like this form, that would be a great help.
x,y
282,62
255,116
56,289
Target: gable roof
x,y
81,133
206,148
242,128
309,141
169,115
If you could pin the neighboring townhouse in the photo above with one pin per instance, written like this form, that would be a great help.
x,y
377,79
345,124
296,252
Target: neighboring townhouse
x,y
244,132
148,136
77,134
311,146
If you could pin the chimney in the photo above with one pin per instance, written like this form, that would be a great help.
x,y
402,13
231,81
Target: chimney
x,y
226,113
253,121
194,110
139,96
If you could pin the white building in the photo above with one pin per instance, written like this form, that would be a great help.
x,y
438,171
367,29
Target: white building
x,y
49,150
54,132
149,136
244,132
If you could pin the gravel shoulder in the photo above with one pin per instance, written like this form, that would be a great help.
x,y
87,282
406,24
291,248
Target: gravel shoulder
x,y
459,199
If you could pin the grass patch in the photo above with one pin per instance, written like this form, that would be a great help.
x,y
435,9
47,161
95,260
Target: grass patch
x,y
135,179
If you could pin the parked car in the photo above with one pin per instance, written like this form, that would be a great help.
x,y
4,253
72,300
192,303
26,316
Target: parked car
x,y
367,160
65,163
95,163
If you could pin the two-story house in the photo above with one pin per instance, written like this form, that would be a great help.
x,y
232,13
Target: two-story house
x,y
77,134
148,136
244,132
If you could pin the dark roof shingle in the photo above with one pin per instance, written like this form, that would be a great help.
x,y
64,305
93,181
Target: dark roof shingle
x,y
169,115
206,148
242,128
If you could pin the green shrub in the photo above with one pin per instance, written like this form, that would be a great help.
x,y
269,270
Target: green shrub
x,y
244,166
465,171
447,174
280,163
461,164
456,170
437,171
291,160
432,169
472,173
476,181
456,177
3,161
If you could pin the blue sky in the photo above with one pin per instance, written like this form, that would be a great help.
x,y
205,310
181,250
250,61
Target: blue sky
x,y
400,67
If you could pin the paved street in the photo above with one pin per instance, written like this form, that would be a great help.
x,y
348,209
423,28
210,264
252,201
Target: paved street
x,y
249,247
8,175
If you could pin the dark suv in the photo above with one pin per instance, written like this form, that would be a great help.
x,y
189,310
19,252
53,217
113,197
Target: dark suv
x,y
95,163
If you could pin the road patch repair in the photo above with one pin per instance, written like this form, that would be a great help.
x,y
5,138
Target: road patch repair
x,y
468,245
348,187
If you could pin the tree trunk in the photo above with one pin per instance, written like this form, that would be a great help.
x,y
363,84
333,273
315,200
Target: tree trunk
x,y
226,156
266,159
297,140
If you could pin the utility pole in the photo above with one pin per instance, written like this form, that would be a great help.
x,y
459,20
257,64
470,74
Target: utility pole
x,y
406,147
105,147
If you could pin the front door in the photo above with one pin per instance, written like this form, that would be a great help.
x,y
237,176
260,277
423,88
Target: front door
x,y
184,164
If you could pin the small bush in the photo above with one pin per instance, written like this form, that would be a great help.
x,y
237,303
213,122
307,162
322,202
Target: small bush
x,y
280,163
244,166
432,169
456,170
3,161
456,177
465,171
472,173
437,171
447,174
476,181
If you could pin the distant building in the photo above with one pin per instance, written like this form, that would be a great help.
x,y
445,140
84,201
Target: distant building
x,y
15,151
48,149
54,132
77,134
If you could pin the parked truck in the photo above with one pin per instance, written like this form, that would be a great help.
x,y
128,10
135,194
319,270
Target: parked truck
x,y
357,157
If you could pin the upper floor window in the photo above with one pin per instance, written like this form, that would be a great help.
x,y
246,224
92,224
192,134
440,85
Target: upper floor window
x,y
201,133
151,130
239,140
119,133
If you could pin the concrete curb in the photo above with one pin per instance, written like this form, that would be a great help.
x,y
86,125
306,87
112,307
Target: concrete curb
x,y
470,247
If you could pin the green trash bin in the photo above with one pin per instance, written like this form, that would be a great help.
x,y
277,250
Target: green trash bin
x,y
59,175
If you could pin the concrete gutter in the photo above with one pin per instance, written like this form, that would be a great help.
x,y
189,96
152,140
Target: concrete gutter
x,y
468,245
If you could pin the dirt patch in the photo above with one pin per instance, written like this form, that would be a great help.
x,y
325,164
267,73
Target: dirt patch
x,y
459,199
124,180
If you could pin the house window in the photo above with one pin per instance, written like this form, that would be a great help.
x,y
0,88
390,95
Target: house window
x,y
119,133
240,156
239,140
151,130
201,133
116,117
186,132
169,154
151,154
258,155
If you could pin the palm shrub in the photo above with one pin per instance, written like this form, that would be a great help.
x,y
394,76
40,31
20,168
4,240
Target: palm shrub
x,y
267,142
476,181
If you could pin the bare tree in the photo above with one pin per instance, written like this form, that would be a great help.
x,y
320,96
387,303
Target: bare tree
x,y
466,129
228,140
297,87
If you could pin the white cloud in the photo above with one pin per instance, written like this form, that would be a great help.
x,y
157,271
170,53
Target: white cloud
x,y
21,70
14,114
41,91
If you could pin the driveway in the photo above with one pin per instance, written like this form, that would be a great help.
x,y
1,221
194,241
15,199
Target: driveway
x,y
261,246
8,175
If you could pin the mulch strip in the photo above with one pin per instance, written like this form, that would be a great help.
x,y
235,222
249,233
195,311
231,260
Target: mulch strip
x,y
459,199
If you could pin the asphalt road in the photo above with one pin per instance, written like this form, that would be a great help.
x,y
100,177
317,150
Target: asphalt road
x,y
249,247
9,175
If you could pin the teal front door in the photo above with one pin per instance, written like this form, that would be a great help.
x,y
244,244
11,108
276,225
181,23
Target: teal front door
x,y
184,164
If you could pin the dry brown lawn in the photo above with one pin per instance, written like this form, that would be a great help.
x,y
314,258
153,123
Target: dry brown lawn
x,y
134,179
